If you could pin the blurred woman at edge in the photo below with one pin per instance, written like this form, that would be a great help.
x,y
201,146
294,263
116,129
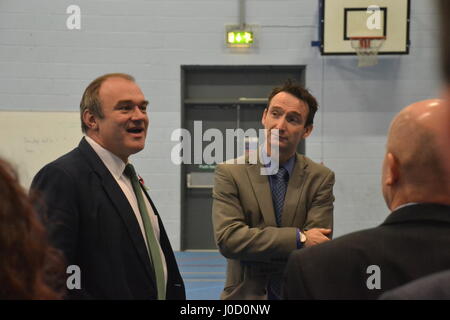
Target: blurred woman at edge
x,y
29,267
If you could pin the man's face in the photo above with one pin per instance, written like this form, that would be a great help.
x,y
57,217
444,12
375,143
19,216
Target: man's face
x,y
288,114
124,126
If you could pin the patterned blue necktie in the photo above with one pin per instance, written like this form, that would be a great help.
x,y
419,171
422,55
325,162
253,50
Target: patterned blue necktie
x,y
279,187
280,182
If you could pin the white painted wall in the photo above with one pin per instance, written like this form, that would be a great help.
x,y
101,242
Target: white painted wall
x,y
45,66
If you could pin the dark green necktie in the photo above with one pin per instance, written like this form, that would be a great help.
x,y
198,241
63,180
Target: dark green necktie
x,y
149,233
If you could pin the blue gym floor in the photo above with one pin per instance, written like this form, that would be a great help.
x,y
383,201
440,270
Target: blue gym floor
x,y
203,273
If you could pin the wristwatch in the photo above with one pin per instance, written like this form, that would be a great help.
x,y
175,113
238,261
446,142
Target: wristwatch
x,y
302,238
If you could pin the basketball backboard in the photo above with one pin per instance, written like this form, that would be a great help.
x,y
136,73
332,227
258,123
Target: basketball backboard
x,y
345,19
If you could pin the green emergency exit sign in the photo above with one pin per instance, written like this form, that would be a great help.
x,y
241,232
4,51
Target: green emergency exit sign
x,y
240,38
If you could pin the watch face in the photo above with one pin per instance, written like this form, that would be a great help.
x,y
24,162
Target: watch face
x,y
302,237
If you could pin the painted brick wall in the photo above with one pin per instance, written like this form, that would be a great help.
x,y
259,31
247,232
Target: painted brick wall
x,y
45,66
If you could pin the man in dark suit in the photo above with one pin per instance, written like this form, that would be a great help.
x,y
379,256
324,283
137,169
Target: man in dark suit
x,y
96,211
435,286
411,243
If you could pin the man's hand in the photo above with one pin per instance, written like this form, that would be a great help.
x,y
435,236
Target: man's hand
x,y
316,235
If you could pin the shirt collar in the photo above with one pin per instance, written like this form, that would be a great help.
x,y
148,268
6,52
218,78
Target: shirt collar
x,y
114,164
405,205
288,165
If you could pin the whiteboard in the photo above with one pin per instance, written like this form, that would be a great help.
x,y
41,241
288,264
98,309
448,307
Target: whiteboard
x,y
30,140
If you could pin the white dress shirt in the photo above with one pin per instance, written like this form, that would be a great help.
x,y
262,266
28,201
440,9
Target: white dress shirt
x,y
116,167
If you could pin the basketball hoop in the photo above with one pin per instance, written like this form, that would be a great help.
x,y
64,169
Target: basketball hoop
x,y
367,49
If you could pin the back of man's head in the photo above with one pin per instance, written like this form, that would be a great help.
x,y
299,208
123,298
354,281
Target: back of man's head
x,y
413,159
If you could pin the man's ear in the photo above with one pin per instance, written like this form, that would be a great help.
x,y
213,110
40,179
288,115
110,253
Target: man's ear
x,y
392,170
89,120
308,131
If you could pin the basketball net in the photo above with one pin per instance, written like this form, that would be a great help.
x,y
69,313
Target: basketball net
x,y
367,49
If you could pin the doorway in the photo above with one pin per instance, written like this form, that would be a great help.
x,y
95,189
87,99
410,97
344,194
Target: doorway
x,y
221,97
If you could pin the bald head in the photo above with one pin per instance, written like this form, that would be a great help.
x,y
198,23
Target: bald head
x,y
414,168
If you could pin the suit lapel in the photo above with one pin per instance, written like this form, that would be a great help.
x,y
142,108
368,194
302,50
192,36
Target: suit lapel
x,y
121,203
261,188
124,209
294,192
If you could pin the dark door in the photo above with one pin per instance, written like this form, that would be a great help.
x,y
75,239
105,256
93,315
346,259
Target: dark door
x,y
220,98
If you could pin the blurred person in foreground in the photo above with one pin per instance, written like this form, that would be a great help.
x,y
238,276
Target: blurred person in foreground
x,y
414,239
436,286
30,268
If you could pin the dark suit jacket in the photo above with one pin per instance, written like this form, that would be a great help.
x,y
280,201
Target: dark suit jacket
x,y
90,219
433,287
412,242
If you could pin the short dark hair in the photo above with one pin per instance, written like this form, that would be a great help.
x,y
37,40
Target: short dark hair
x,y
444,10
298,91
91,100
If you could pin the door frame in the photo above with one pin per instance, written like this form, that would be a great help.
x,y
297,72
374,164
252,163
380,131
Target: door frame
x,y
299,70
